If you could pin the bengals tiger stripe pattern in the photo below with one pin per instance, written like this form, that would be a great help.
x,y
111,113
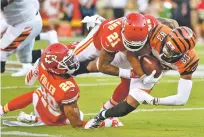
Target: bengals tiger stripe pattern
x,y
18,40
182,38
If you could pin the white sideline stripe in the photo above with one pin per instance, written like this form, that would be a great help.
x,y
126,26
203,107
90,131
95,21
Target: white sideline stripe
x,y
136,111
18,133
93,85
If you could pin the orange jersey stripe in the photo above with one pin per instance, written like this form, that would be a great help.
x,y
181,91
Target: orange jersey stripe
x,y
79,50
18,40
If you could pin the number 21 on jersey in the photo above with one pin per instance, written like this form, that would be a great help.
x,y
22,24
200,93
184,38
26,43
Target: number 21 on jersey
x,y
113,38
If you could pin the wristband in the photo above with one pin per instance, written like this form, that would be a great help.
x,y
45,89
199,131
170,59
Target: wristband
x,y
124,73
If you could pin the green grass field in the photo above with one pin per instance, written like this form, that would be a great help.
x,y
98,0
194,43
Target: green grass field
x,y
149,121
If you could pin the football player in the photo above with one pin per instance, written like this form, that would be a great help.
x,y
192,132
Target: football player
x,y
178,54
20,24
175,50
55,102
111,56
117,40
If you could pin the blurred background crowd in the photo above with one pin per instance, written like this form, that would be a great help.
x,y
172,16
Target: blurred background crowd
x,y
65,15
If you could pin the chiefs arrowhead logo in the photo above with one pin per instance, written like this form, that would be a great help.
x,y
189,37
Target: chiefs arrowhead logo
x,y
50,58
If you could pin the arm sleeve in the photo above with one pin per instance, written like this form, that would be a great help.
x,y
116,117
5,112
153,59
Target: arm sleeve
x,y
32,75
182,96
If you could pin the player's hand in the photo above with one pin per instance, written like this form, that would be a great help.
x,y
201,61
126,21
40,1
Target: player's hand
x,y
150,79
92,21
155,101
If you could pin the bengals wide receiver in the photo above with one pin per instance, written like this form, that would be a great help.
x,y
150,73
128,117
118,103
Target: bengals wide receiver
x,y
175,50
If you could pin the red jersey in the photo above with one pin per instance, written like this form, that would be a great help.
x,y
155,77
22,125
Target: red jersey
x,y
185,65
109,37
54,92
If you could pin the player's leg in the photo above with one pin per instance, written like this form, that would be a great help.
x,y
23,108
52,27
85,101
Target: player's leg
x,y
24,50
25,57
3,55
50,36
137,95
85,49
23,117
8,34
19,102
120,93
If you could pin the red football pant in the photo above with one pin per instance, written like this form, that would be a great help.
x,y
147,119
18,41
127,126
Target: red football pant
x,y
120,93
19,102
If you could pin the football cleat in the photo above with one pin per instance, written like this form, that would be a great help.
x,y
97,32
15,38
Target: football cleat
x,y
23,117
116,122
26,68
112,122
95,122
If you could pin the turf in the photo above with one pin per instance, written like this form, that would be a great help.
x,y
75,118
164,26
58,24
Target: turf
x,y
189,123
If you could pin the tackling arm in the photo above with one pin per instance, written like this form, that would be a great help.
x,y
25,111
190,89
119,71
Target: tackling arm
x,y
72,113
169,22
104,63
183,93
135,63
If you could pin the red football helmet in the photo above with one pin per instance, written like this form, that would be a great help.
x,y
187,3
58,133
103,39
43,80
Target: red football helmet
x,y
151,21
134,31
59,59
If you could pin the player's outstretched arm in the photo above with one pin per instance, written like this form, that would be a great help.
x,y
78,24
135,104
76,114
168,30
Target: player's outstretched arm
x,y
72,113
32,75
104,63
168,22
183,93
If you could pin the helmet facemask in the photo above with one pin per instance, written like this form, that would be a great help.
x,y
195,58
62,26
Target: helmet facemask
x,y
168,53
133,45
69,63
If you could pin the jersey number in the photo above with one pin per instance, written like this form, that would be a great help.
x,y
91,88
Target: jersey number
x,y
185,58
113,38
66,85
50,103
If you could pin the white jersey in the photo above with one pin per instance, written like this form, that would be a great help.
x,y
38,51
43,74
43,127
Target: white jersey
x,y
20,11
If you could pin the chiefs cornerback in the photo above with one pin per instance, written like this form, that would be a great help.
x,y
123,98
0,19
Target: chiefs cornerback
x,y
55,102
175,50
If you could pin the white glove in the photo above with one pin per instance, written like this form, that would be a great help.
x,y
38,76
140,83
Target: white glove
x,y
92,21
150,79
